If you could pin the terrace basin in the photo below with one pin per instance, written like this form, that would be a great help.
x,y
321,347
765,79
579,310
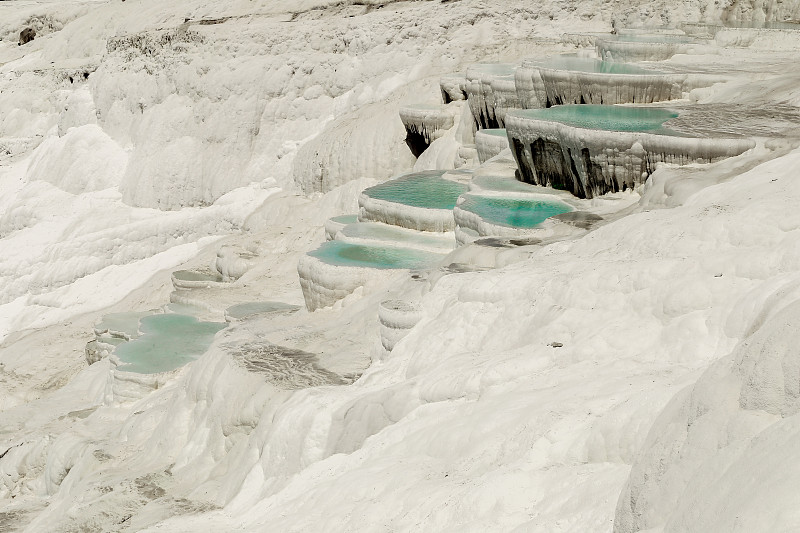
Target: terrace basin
x,y
421,201
513,212
370,256
591,150
336,269
168,341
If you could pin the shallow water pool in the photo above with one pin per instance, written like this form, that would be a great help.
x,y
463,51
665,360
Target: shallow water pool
x,y
606,117
167,341
495,132
421,189
513,212
345,219
358,255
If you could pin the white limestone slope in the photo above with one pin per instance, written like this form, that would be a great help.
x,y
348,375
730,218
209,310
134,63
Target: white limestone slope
x,y
516,401
464,428
175,115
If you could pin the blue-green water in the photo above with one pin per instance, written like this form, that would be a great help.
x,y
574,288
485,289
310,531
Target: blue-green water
x,y
357,255
513,212
497,132
606,117
421,189
167,342
581,64
346,219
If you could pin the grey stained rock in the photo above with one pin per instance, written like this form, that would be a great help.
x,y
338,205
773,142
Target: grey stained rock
x,y
26,36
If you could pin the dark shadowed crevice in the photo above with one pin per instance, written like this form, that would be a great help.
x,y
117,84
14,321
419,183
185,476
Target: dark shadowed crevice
x,y
416,142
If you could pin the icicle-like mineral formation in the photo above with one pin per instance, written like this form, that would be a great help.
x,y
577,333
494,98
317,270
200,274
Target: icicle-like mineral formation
x,y
504,89
591,162
574,87
624,51
454,88
529,85
481,96
573,80
425,123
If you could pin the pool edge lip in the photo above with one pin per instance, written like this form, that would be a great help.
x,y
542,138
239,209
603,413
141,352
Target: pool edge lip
x,y
646,140
197,284
438,248
405,216
324,284
548,126
430,262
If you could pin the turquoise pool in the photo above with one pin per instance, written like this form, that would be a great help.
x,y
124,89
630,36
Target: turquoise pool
x,y
357,255
495,132
513,212
421,189
581,64
606,117
167,341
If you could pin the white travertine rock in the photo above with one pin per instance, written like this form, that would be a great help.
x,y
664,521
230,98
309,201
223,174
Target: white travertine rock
x,y
233,262
454,88
572,87
396,318
334,225
722,456
380,234
530,87
405,216
504,91
426,123
490,143
324,284
624,51
481,97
